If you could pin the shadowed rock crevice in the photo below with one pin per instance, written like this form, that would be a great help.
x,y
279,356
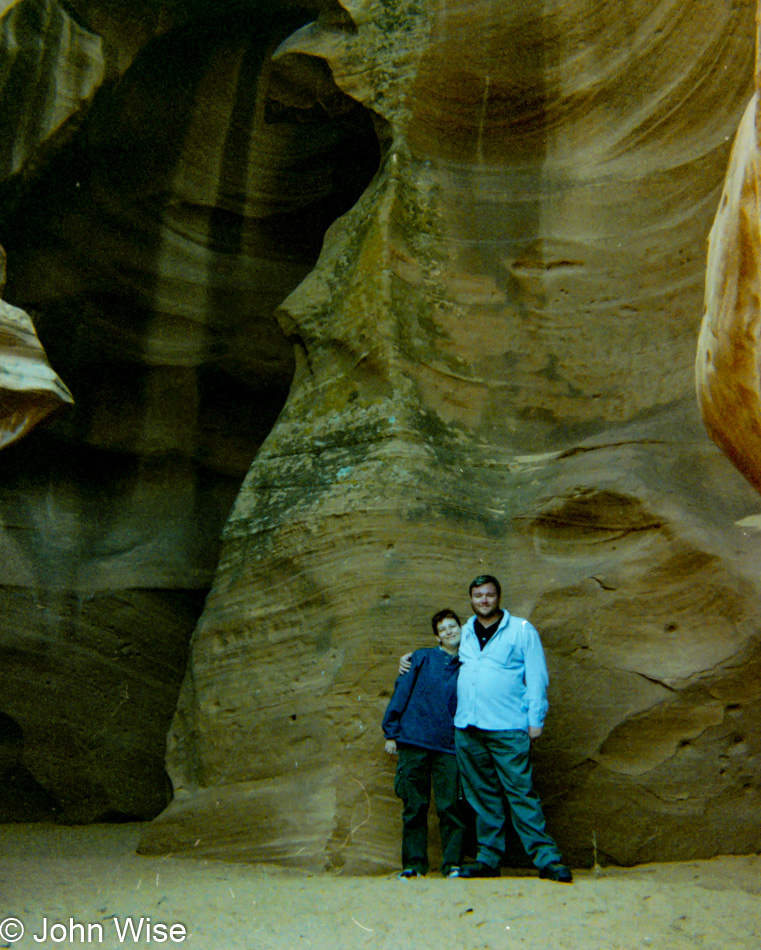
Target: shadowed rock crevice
x,y
22,798
151,250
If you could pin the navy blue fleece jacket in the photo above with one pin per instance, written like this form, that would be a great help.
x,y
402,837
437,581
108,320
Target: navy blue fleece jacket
x,y
421,711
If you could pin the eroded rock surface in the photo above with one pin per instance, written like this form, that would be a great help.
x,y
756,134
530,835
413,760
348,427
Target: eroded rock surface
x,y
494,373
29,389
727,364
50,68
150,241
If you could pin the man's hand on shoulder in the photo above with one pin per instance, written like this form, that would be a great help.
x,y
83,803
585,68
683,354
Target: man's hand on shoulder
x,y
390,747
534,732
405,664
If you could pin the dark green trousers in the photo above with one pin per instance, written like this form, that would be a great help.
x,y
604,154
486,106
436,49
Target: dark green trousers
x,y
417,770
493,760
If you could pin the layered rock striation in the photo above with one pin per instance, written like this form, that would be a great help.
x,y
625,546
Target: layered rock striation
x,y
29,389
487,366
493,372
171,196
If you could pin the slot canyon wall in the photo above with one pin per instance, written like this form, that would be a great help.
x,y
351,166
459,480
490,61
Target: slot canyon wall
x,y
158,200
487,365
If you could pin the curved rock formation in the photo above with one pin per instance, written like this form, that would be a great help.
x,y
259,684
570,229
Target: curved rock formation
x,y
494,372
728,370
50,68
29,389
150,244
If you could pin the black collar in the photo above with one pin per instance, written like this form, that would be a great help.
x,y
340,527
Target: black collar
x,y
485,634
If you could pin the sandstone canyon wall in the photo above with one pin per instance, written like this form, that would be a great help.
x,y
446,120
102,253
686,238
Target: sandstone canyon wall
x,y
486,366
158,200
494,372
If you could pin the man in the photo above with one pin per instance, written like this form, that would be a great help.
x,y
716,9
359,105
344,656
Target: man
x,y
419,727
501,705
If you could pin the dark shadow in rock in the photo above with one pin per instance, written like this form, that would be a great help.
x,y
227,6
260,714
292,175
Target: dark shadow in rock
x,y
152,252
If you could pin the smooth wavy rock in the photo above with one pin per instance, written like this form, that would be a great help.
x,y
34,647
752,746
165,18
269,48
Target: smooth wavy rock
x,y
494,373
50,68
29,388
152,248
728,364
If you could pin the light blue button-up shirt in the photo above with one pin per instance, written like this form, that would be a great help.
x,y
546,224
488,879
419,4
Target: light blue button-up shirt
x,y
503,686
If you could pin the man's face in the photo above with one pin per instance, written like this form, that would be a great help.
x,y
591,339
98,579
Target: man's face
x,y
448,633
485,601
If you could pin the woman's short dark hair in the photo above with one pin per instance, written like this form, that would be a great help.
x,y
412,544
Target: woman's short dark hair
x,y
442,615
485,579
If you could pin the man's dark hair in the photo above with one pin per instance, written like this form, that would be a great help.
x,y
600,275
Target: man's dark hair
x,y
485,579
442,615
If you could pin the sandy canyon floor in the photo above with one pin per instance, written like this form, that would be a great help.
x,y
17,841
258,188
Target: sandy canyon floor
x,y
85,886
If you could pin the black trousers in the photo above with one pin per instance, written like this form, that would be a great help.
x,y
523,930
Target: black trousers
x,y
417,770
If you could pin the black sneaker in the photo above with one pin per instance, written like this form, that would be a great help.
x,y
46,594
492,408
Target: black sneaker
x,y
478,869
454,871
556,872
407,873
